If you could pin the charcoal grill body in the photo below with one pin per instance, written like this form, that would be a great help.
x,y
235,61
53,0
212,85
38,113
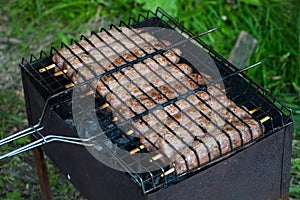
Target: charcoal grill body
x,y
260,171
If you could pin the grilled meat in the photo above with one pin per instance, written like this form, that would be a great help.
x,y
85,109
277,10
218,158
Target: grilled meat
x,y
72,50
196,127
211,146
141,78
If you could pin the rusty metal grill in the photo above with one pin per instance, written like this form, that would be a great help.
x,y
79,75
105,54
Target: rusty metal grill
x,y
56,87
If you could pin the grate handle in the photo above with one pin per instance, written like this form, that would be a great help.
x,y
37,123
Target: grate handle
x,y
21,134
43,141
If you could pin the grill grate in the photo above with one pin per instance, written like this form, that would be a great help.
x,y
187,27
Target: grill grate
x,y
56,86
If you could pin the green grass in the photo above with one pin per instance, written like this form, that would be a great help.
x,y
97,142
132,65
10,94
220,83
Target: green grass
x,y
39,24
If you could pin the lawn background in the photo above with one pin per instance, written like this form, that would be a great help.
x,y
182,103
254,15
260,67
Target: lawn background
x,y
29,26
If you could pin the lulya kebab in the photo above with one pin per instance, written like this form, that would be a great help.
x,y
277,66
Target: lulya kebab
x,y
128,74
189,117
154,96
182,137
148,103
97,42
117,79
163,122
108,58
91,69
106,55
146,84
207,148
170,82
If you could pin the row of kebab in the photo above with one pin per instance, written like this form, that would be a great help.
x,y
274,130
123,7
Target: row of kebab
x,y
199,125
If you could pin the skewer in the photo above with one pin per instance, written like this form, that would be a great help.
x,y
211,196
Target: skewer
x,y
129,132
114,119
265,119
254,110
154,158
60,72
69,85
46,68
167,172
137,149
104,106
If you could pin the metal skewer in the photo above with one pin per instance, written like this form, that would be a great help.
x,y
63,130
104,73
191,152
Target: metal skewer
x,y
163,49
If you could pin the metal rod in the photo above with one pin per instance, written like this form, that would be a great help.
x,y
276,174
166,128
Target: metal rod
x,y
190,38
163,49
105,105
48,139
239,71
21,134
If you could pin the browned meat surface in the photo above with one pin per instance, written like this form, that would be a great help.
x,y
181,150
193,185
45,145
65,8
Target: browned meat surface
x,y
208,148
142,85
142,77
74,49
109,53
194,129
